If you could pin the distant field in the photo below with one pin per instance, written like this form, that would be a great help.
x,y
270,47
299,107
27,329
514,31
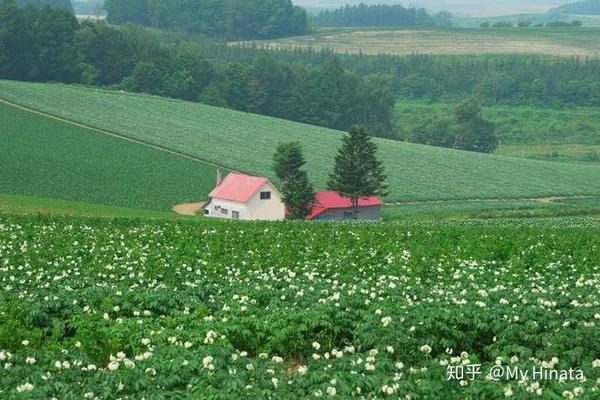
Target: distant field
x,y
48,158
583,42
246,142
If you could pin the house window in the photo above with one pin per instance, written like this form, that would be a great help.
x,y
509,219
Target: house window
x,y
206,211
224,211
217,208
265,195
235,214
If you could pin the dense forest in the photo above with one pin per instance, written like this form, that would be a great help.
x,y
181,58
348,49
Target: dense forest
x,y
381,15
230,19
41,3
50,45
495,79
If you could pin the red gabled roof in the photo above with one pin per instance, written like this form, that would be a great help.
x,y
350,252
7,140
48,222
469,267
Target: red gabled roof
x,y
238,187
329,199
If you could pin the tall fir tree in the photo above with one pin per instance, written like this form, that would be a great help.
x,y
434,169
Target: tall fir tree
x,y
298,194
297,191
357,172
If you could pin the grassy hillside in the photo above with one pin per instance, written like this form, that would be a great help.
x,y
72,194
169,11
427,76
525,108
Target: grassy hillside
x,y
246,142
584,42
44,157
29,205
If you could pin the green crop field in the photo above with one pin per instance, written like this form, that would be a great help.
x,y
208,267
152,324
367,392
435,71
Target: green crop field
x,y
48,158
29,205
564,42
246,142
97,308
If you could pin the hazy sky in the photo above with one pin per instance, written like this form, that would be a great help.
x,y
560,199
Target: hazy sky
x,y
469,7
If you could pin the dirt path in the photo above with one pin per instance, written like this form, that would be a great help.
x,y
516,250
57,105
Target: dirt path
x,y
188,208
559,198
548,199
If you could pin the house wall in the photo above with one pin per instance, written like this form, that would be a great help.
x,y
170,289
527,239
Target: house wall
x,y
364,213
254,209
266,210
230,206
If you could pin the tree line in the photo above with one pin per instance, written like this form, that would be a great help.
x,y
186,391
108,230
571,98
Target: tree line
x,y
231,19
48,44
381,15
357,173
514,79
66,4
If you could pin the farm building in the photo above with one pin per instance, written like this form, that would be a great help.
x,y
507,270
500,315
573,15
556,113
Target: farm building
x,y
331,206
245,197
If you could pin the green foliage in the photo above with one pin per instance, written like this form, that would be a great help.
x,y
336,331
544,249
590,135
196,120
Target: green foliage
x,y
536,80
233,19
297,192
467,130
472,132
64,4
47,158
287,160
515,125
381,15
223,136
357,172
189,309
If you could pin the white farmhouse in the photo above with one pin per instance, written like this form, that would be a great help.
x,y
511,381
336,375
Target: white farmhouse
x,y
245,197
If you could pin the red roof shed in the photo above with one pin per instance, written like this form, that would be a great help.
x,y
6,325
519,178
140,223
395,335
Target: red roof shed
x,y
328,200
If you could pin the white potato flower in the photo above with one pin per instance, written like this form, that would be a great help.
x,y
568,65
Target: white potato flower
x,y
425,349
302,369
26,387
113,365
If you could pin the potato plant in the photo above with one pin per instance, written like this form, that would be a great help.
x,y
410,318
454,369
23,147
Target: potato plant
x,y
131,309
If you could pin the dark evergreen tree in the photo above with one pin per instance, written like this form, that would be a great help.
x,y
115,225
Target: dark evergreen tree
x,y
297,194
357,172
297,191
17,45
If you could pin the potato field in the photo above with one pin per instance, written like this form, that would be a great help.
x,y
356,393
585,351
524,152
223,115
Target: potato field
x,y
131,309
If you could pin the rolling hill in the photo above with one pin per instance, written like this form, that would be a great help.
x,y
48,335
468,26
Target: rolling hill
x,y
44,157
587,7
239,141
